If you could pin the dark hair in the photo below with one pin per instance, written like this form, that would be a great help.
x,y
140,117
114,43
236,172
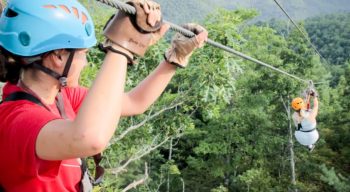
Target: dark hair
x,y
11,64
10,67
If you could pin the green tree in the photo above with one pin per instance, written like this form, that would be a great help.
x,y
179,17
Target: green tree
x,y
330,34
221,125
339,182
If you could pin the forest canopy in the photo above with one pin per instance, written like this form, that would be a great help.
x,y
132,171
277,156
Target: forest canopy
x,y
223,123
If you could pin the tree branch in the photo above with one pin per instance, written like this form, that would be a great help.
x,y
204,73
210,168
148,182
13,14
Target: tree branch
x,y
138,182
148,118
284,104
138,155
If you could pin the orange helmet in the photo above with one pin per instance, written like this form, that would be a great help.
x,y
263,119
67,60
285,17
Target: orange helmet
x,y
298,103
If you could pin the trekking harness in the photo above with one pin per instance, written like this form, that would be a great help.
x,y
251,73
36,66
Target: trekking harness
x,y
99,170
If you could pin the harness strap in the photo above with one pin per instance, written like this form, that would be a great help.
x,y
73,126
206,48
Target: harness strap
x,y
22,96
299,128
307,130
60,105
99,170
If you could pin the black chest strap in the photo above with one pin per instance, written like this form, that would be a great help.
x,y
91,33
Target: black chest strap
x,y
300,128
16,96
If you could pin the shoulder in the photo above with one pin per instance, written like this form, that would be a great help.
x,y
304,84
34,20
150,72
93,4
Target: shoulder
x,y
21,121
75,96
75,92
17,113
295,115
9,88
20,125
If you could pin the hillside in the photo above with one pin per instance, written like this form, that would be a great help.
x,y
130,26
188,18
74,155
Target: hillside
x,y
181,11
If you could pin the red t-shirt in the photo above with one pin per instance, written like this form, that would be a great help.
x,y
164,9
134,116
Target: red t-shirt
x,y
20,123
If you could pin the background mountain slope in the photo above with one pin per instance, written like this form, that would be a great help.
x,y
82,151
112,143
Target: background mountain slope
x,y
181,11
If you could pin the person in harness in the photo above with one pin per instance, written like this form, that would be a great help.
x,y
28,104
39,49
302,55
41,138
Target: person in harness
x,y
305,120
47,121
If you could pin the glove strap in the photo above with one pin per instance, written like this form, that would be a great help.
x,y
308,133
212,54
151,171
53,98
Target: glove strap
x,y
110,48
173,63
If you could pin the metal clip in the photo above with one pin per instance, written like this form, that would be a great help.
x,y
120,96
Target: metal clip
x,y
63,81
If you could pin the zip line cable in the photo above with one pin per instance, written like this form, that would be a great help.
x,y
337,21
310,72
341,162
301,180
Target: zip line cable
x,y
131,10
301,31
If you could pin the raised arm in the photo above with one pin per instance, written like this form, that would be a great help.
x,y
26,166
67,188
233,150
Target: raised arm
x,y
95,123
145,94
295,121
315,108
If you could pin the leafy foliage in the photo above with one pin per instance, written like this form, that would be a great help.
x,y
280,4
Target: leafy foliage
x,y
339,182
330,34
220,125
184,11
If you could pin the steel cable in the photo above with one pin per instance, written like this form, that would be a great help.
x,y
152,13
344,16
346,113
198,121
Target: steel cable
x,y
301,31
131,10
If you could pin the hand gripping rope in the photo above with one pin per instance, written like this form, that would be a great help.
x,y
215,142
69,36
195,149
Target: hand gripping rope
x,y
131,10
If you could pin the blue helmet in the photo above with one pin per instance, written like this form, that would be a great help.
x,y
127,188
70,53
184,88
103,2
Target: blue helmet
x,y
29,28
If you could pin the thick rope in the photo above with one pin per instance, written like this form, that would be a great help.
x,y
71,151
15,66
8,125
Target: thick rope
x,y
131,10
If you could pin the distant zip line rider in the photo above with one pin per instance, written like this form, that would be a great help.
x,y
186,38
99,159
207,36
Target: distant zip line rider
x,y
305,120
47,121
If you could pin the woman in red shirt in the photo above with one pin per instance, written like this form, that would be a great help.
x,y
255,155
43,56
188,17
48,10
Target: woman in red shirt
x,y
43,50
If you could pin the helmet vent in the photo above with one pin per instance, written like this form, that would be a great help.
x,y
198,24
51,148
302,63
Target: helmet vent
x,y
50,6
24,38
65,8
84,18
11,13
76,12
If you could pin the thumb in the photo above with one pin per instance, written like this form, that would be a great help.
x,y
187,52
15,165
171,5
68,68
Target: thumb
x,y
163,29
202,38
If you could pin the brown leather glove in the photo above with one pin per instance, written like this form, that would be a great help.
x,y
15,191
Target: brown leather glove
x,y
182,47
148,15
135,33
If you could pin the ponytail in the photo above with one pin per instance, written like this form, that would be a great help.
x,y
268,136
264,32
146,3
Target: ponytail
x,y
10,68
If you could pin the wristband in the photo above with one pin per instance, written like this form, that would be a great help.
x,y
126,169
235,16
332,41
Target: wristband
x,y
110,48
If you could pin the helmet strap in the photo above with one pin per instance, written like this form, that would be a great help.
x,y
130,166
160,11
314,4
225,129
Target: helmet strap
x,y
46,70
61,78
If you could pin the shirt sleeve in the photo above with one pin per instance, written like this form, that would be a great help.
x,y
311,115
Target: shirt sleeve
x,y
22,135
76,96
